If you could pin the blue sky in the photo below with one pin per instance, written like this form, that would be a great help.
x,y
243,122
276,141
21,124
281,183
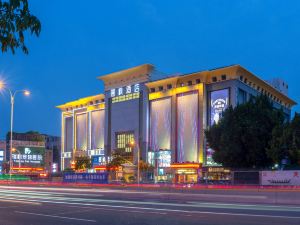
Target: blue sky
x,y
81,40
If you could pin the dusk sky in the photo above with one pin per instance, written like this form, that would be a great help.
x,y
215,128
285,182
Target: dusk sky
x,y
81,40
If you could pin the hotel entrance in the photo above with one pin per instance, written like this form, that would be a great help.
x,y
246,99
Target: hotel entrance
x,y
187,178
186,172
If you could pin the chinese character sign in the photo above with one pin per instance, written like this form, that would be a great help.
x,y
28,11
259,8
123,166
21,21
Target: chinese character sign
x,y
96,178
29,156
1,155
125,90
281,178
113,92
219,101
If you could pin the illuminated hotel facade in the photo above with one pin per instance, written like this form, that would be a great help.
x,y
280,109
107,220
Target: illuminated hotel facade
x,y
166,118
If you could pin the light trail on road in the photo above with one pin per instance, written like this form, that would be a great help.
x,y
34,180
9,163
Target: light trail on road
x,y
117,201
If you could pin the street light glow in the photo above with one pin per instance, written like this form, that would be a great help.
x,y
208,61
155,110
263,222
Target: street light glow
x,y
2,85
27,93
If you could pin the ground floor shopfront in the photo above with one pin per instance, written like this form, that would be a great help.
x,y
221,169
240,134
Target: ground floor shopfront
x,y
177,173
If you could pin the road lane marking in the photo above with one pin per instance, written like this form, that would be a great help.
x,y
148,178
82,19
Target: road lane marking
x,y
247,206
136,192
17,201
41,193
60,217
193,205
174,210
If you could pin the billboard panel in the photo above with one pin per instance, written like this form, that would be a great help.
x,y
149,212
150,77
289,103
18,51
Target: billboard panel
x,y
219,101
280,178
1,156
94,178
160,124
187,127
29,156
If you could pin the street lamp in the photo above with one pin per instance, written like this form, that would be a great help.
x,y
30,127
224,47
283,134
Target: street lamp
x,y
16,150
132,144
12,95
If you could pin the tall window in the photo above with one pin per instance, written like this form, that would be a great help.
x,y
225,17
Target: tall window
x,y
160,124
81,131
242,96
97,129
123,141
68,140
187,127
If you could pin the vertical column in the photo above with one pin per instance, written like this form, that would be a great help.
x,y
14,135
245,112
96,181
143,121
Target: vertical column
x,y
62,166
74,136
89,145
202,121
107,132
173,128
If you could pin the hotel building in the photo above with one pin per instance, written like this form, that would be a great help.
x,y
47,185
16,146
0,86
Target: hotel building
x,y
166,117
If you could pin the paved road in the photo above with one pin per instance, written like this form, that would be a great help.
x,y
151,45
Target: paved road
x,y
42,205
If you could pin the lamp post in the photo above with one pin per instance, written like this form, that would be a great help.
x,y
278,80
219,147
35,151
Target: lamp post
x,y
132,144
12,95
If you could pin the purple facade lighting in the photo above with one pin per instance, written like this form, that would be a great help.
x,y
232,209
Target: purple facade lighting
x,y
187,127
160,124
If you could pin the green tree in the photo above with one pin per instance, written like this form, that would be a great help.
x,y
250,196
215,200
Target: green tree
x,y
117,159
15,20
82,163
243,135
5,167
144,166
285,143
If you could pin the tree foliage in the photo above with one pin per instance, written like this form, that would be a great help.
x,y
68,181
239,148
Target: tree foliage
x,y
285,143
15,20
82,163
243,135
144,166
117,159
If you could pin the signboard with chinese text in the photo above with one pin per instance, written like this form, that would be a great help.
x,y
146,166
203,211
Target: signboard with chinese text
x,y
125,90
1,155
29,156
219,101
94,178
281,178
125,93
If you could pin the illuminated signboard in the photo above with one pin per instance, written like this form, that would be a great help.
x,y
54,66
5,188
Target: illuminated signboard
x,y
125,90
95,178
219,101
209,158
125,93
54,167
164,158
1,155
29,156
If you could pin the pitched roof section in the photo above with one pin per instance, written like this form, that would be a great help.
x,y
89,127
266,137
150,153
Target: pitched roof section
x,y
125,77
232,72
82,102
